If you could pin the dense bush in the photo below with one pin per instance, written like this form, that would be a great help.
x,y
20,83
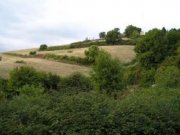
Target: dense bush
x,y
31,90
91,54
147,112
32,53
113,37
147,77
43,47
155,46
132,31
132,75
3,84
107,73
168,76
51,81
21,76
76,82
102,35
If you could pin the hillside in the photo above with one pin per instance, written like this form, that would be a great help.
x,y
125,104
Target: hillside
x,y
124,53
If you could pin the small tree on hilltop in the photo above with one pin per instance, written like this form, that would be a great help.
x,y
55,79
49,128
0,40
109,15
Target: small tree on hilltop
x,y
43,47
132,31
107,74
102,35
113,37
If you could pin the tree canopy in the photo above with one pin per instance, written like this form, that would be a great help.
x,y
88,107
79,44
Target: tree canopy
x,y
132,31
113,37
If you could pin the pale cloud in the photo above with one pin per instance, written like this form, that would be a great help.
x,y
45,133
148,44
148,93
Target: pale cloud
x,y
26,24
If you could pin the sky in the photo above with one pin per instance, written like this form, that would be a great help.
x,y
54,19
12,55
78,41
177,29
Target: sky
x,y
29,23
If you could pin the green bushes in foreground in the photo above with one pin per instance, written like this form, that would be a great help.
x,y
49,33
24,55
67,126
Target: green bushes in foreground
x,y
107,74
146,112
28,81
168,76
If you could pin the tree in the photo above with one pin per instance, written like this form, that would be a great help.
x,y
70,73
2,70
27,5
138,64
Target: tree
x,y
155,46
21,76
131,30
107,73
43,47
113,37
91,54
168,76
102,35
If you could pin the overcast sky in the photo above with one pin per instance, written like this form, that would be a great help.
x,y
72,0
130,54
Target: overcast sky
x,y
29,23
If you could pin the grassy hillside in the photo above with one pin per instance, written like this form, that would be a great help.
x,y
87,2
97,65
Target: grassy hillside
x,y
63,69
124,53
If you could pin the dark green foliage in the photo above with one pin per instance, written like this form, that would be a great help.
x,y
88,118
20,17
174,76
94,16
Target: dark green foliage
x,y
91,54
3,88
20,61
168,76
172,61
3,84
21,76
43,47
133,75
76,82
51,82
32,53
155,46
102,35
107,73
67,59
147,112
113,37
60,47
147,77
132,31
83,44
31,90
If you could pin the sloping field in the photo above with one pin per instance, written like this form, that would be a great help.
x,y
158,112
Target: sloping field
x,y
62,69
124,53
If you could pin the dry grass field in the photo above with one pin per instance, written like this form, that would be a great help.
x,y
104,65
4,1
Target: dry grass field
x,y
62,69
124,53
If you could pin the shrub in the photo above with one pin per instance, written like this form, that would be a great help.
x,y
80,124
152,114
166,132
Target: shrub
x,y
21,76
2,95
51,82
113,37
146,112
132,75
77,82
31,90
91,54
152,111
155,46
107,73
168,76
147,77
20,61
43,47
3,84
131,31
32,53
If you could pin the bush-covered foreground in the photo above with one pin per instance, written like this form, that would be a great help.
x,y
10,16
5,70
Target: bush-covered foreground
x,y
146,112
